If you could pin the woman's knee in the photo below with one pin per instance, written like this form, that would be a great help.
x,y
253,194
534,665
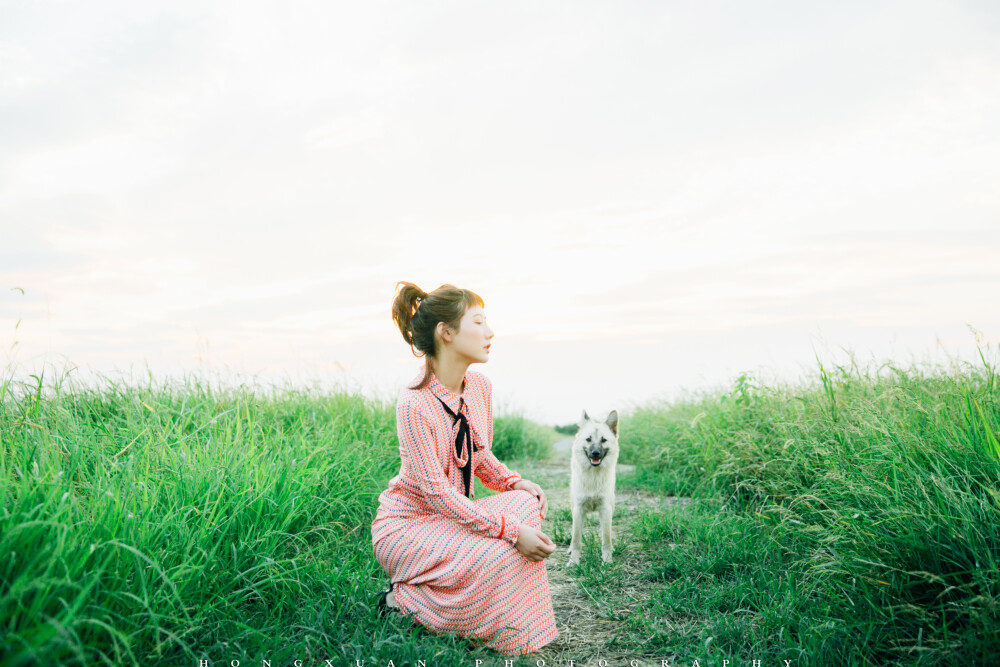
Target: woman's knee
x,y
528,508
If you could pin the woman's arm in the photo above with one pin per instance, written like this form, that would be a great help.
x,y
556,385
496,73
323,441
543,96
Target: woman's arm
x,y
417,444
494,474
490,471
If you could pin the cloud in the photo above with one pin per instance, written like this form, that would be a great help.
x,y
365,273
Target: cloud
x,y
630,175
37,235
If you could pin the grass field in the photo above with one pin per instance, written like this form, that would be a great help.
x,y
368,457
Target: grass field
x,y
852,519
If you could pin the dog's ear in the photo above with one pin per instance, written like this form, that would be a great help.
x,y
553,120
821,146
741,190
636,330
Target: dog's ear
x,y
612,421
584,419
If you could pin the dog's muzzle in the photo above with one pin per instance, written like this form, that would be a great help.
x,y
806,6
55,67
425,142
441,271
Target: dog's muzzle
x,y
596,458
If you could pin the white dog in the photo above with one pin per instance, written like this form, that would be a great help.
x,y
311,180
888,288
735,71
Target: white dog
x,y
592,480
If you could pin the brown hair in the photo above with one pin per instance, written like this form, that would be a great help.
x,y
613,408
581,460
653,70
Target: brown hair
x,y
417,314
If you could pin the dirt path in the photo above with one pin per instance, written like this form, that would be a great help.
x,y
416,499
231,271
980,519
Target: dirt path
x,y
589,620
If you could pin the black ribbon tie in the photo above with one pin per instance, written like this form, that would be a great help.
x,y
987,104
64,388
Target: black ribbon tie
x,y
463,441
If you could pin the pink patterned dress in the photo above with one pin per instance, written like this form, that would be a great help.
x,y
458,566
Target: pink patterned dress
x,y
451,558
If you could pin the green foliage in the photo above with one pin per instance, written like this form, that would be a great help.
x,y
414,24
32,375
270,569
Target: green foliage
x,y
567,429
164,524
874,490
515,437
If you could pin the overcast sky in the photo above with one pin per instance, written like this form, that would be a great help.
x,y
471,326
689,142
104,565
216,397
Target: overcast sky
x,y
651,197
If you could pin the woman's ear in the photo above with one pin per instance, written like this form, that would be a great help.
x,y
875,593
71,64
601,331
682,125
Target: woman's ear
x,y
444,332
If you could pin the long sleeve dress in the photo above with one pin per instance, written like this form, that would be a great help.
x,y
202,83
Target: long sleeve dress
x,y
451,558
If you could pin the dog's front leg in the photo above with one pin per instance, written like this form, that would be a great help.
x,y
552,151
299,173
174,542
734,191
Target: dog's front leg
x,y
576,543
607,508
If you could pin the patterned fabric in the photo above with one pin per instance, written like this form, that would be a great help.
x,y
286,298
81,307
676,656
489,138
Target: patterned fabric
x,y
464,440
451,558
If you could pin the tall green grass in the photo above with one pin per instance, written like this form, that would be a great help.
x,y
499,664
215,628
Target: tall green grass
x,y
176,521
850,519
516,437
853,518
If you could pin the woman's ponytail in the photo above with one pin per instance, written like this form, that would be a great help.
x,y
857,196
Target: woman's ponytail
x,y
404,306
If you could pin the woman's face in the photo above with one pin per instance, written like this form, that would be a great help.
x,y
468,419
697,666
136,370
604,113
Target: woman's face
x,y
474,335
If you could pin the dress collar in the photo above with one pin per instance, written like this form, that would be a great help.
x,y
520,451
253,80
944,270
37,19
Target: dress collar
x,y
451,399
437,388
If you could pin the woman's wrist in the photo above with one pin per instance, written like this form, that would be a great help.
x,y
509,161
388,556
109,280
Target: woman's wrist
x,y
515,534
510,530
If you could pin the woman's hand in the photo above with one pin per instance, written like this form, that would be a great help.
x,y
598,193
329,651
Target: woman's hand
x,y
534,544
534,490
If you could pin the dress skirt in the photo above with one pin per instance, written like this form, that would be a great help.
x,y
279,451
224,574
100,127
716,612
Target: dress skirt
x,y
453,579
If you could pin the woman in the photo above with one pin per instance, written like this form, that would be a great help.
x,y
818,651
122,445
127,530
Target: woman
x,y
472,567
